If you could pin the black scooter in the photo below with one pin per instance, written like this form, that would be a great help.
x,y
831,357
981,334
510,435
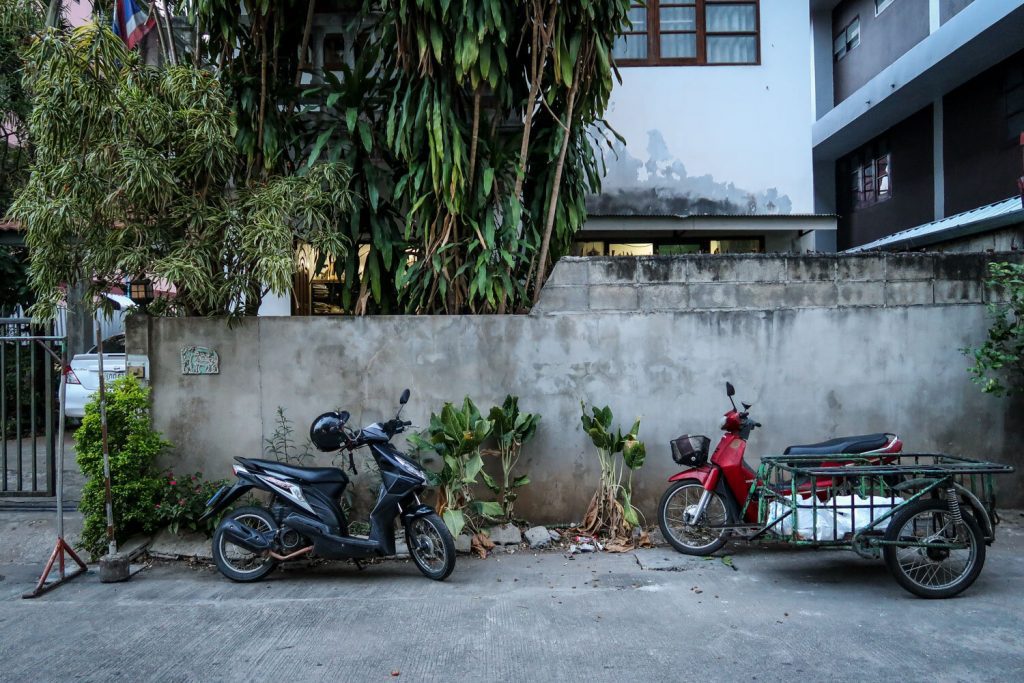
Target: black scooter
x,y
305,515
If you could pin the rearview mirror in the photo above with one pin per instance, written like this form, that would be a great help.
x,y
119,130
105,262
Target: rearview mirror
x,y
405,397
729,390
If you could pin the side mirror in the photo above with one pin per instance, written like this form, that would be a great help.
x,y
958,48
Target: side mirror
x,y
729,389
405,397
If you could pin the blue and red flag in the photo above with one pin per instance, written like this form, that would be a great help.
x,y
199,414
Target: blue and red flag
x,y
131,22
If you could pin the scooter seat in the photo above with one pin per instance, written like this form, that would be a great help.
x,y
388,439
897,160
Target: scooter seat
x,y
843,444
313,475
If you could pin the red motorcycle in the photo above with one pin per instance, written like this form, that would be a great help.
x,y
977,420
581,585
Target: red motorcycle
x,y
704,503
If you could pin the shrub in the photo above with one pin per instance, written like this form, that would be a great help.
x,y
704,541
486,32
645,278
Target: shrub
x,y
134,446
611,509
512,429
181,501
456,435
999,362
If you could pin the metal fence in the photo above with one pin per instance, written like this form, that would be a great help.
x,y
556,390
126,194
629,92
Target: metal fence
x,y
28,408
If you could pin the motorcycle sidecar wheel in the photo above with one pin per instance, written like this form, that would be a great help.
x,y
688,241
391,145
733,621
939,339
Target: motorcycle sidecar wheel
x,y
431,546
931,572
693,539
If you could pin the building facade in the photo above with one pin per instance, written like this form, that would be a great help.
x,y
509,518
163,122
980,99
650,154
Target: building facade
x,y
919,116
714,107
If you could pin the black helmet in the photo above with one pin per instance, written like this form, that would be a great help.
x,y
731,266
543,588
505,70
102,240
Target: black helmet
x,y
327,432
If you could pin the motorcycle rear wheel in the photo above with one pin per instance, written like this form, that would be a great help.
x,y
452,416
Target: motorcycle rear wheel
x,y
693,539
431,546
239,564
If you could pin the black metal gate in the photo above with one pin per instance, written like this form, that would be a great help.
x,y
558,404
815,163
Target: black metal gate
x,y
28,408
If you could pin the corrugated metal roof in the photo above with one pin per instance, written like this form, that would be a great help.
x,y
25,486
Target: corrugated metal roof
x,y
996,215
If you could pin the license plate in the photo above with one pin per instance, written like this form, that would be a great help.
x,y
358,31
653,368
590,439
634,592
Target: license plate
x,y
111,375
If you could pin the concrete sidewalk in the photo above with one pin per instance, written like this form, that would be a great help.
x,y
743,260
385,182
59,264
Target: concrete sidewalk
x,y
782,614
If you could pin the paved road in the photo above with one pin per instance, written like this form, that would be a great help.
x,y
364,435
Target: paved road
x,y
781,615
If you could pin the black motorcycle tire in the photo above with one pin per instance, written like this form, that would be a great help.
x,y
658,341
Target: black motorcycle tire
x,y
681,545
973,535
224,565
447,546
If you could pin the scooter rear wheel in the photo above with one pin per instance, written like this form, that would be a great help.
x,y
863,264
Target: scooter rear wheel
x,y
431,546
693,538
239,564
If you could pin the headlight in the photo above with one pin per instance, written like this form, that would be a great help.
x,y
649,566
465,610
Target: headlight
x,y
411,468
722,424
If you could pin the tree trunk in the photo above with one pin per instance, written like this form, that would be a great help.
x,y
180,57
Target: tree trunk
x,y
555,187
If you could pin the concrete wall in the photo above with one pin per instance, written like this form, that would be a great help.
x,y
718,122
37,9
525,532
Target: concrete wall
x,y
821,346
698,140
883,40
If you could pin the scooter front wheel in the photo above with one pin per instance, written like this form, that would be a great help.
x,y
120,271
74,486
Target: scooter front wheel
x,y
687,535
431,546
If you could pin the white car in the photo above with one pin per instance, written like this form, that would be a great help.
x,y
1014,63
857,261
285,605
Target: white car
x,y
84,378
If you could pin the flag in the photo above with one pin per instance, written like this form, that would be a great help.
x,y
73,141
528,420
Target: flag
x,y
131,22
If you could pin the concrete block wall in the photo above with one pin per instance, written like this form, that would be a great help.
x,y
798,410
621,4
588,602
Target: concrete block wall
x,y
821,345
766,282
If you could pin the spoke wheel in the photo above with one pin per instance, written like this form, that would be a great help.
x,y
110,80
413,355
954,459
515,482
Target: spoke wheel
x,y
941,557
235,562
678,526
431,546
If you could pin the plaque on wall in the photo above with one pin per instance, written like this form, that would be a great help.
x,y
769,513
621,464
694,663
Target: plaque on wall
x,y
199,360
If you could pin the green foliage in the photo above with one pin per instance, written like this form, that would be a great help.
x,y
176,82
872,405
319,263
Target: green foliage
x,y
999,362
181,501
456,436
611,510
471,129
281,443
512,429
133,447
139,163
20,20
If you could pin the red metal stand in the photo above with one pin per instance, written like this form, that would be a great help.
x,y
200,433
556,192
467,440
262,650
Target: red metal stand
x,y
57,556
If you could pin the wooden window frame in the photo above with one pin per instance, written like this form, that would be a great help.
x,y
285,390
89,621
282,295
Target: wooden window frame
x,y
654,34
862,167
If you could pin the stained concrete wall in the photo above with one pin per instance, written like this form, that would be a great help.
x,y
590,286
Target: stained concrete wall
x,y
821,346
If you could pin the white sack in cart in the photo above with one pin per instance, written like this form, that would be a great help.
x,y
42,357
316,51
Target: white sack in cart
x,y
829,524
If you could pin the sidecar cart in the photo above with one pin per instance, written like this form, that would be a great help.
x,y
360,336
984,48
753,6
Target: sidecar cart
x,y
930,516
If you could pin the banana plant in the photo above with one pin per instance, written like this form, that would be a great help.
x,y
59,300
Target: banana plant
x,y
611,509
456,436
512,429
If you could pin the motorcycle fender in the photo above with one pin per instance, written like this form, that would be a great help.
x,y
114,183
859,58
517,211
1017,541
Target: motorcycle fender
x,y
412,512
698,474
225,496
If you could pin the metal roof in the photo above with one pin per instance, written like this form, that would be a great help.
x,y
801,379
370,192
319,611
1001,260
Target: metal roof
x,y
984,218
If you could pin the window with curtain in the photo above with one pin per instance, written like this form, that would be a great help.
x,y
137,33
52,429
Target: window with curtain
x,y
689,32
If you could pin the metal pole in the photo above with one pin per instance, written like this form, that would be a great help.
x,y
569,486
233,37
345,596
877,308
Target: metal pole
x,y
64,369
111,541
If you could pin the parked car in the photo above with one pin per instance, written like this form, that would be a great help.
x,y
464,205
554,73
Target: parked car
x,y
84,378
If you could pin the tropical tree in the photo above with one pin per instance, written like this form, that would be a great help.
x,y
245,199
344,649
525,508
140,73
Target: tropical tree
x,y
470,125
135,175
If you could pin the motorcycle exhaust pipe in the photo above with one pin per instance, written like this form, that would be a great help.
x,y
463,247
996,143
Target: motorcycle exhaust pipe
x,y
245,537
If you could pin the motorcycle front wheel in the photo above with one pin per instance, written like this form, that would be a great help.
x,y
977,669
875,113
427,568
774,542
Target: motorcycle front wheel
x,y
692,538
431,546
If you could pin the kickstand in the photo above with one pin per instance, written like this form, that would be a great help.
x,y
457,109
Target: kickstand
x,y
359,565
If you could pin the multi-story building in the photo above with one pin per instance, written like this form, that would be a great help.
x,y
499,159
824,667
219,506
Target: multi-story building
x,y
919,116
714,106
